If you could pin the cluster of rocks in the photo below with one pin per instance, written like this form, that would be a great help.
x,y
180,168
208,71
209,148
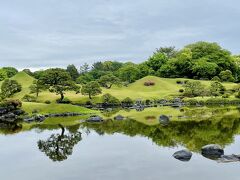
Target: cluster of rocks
x,y
41,118
211,151
176,102
96,118
10,114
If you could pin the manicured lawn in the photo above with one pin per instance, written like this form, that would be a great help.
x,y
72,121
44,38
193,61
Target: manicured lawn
x,y
164,88
54,108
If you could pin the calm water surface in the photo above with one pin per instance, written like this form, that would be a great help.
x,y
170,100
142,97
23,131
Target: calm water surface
x,y
120,150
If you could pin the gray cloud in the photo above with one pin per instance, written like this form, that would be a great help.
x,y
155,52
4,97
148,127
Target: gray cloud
x,y
59,32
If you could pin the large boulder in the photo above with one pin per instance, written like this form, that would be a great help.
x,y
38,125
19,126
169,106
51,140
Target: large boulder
x,y
183,155
212,151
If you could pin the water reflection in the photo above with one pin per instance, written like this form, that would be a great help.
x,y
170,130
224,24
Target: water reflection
x,y
203,126
59,146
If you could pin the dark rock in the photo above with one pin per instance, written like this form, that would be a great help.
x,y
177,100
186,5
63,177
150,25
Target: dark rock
x,y
212,151
18,112
39,118
183,155
29,119
119,117
95,119
10,116
229,158
3,110
163,119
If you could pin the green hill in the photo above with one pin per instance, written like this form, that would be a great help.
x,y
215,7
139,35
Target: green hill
x,y
163,88
25,80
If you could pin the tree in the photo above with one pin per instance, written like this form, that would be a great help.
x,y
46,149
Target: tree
x,y
28,71
213,53
11,71
84,78
157,60
9,88
226,76
84,68
37,87
58,81
108,80
204,69
193,88
179,66
129,73
217,88
91,89
72,70
3,74
145,70
59,146
169,52
38,74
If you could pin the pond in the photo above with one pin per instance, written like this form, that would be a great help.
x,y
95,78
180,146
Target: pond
x,y
139,148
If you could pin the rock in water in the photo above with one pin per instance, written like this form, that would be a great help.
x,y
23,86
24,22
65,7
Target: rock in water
x,y
119,117
95,119
229,158
164,119
183,155
212,151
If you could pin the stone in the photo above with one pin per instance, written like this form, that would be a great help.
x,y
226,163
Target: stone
x,y
3,110
29,119
212,151
229,158
163,119
119,117
183,155
39,118
95,119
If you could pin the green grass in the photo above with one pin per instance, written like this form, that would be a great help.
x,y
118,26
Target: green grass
x,y
164,88
25,80
42,108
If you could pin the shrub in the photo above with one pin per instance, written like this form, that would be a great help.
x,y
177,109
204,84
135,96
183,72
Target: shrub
x,y
11,103
179,82
47,102
108,99
237,95
148,102
88,103
181,90
29,98
64,101
127,102
226,76
216,78
35,111
192,102
225,96
149,83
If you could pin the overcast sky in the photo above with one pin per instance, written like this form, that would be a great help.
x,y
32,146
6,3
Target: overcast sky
x,y
49,33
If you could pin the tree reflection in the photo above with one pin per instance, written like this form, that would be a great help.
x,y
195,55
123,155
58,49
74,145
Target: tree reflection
x,y
191,134
59,146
